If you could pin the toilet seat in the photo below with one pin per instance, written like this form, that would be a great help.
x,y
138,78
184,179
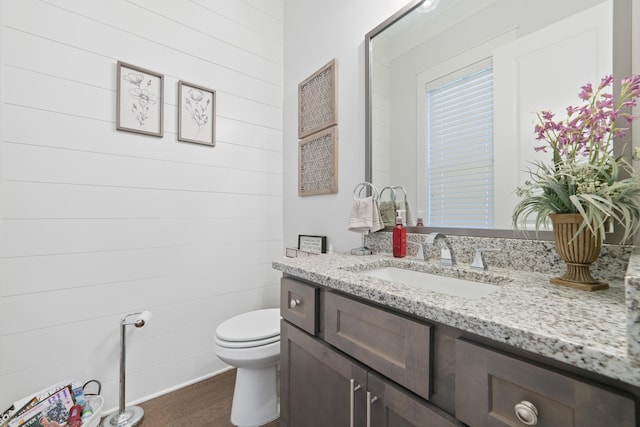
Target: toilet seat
x,y
252,329
247,344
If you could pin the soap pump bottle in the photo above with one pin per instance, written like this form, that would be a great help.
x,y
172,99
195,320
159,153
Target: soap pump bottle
x,y
399,239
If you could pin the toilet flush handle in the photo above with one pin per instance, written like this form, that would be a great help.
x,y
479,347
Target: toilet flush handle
x,y
295,302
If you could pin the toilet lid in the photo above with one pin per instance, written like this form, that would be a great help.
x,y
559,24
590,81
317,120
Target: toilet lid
x,y
251,326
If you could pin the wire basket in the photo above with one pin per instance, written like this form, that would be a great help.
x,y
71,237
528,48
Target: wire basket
x,y
96,402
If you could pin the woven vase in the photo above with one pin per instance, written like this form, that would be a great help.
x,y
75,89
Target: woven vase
x,y
577,253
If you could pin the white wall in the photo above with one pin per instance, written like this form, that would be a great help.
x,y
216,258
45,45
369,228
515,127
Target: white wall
x,y
97,222
315,32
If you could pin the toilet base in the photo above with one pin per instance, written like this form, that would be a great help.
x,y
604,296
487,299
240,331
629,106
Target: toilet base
x,y
255,398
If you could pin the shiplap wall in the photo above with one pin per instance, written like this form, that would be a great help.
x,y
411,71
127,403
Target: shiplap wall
x,y
97,222
380,114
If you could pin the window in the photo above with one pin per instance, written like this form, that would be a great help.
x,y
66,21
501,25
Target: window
x,y
460,149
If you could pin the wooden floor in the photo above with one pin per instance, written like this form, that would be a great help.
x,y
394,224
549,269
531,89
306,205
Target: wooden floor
x,y
204,404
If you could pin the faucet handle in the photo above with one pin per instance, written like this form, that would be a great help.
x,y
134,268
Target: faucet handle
x,y
479,261
420,255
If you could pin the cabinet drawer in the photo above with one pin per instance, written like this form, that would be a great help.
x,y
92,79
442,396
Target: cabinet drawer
x,y
299,304
397,347
489,385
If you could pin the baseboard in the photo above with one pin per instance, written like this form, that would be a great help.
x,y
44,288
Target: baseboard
x,y
170,389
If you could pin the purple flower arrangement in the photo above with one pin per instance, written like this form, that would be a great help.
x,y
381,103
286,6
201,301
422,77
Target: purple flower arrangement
x,y
585,176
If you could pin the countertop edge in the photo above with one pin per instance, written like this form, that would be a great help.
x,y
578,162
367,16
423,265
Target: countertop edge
x,y
611,362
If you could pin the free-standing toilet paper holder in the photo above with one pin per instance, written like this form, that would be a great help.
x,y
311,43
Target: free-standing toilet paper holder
x,y
129,416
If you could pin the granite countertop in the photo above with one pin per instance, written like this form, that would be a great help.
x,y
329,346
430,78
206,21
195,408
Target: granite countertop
x,y
584,329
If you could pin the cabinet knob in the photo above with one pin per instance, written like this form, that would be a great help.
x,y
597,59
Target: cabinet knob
x,y
527,413
295,302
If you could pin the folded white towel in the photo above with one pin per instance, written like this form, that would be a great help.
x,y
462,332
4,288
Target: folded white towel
x,y
365,216
377,222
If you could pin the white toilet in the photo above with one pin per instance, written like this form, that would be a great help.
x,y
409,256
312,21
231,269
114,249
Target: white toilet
x,y
251,342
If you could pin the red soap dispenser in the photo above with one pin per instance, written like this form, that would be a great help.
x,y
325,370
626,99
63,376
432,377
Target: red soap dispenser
x,y
399,239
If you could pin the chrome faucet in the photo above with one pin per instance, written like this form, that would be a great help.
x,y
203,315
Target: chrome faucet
x,y
479,262
421,254
432,239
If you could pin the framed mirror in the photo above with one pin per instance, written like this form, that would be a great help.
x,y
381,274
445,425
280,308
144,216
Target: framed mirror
x,y
511,57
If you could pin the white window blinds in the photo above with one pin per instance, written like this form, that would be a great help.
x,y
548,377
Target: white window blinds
x,y
460,149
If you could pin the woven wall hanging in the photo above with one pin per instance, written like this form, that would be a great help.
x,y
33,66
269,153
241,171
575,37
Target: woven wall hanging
x,y
318,163
317,101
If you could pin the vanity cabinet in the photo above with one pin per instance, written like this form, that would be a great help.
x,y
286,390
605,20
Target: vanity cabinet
x,y
322,386
497,389
348,363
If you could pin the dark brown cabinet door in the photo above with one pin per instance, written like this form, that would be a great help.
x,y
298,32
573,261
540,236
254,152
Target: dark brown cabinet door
x,y
391,406
318,385
395,346
494,389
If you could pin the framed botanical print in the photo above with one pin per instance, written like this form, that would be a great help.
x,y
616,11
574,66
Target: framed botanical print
x,y
196,114
139,100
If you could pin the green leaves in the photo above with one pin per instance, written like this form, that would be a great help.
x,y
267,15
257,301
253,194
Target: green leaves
x,y
595,191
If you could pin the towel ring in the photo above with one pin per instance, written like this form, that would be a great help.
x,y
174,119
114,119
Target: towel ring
x,y
395,187
392,190
358,190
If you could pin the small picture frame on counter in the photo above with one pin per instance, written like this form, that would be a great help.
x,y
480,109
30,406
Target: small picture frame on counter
x,y
297,253
313,244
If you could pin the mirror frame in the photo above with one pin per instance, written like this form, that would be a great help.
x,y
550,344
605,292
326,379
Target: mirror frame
x,y
622,146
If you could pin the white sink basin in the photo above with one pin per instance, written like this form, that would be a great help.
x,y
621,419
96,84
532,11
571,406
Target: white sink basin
x,y
432,282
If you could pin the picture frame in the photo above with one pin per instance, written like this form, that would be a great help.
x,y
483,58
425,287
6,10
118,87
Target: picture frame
x,y
139,100
318,100
297,253
318,163
196,114
312,244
